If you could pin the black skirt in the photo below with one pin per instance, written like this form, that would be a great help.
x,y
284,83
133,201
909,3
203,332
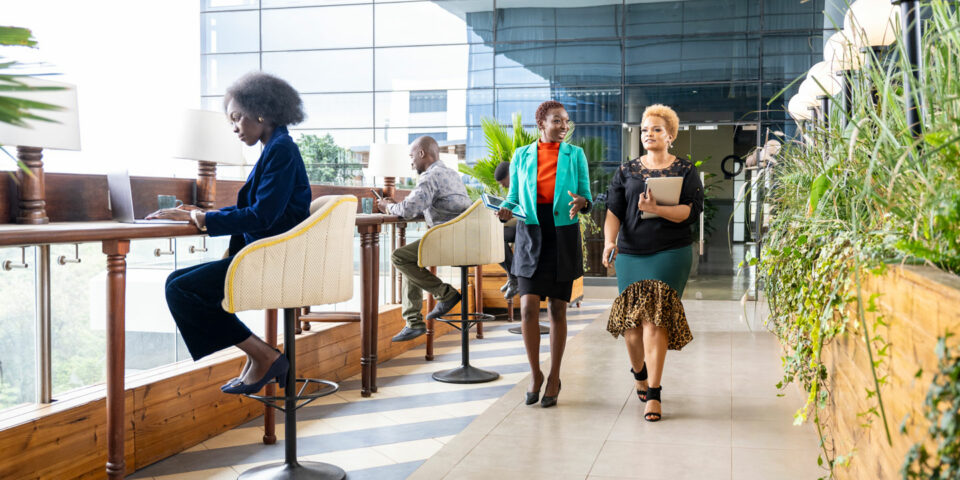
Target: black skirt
x,y
544,280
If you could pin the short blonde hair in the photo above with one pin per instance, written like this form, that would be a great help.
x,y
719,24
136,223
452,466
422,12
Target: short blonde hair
x,y
666,114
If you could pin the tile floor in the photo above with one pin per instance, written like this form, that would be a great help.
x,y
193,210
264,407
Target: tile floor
x,y
722,416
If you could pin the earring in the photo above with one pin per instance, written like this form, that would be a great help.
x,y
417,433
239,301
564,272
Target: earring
x,y
260,119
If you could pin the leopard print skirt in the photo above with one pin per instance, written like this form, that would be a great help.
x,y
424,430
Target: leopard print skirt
x,y
653,301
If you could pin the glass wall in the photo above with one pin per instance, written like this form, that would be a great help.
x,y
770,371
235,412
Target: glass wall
x,y
389,71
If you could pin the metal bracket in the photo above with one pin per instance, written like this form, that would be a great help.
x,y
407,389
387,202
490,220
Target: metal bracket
x,y
9,265
63,260
157,252
194,249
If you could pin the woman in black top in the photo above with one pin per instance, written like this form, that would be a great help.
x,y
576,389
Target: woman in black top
x,y
653,256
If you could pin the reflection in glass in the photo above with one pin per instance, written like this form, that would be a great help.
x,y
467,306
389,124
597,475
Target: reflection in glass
x,y
228,32
691,59
18,322
584,105
323,71
433,23
453,135
523,23
569,63
318,27
647,19
219,71
789,56
807,15
433,68
422,108
347,137
717,102
338,110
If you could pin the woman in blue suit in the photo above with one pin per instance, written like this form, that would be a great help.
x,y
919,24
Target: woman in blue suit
x,y
275,198
549,182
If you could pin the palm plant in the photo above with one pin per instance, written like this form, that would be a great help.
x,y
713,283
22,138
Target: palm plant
x,y
15,111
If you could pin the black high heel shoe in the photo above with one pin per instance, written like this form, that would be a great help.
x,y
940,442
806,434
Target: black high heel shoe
x,y
640,376
653,394
549,401
532,397
277,371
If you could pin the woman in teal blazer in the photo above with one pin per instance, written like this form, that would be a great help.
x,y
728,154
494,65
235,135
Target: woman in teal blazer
x,y
550,184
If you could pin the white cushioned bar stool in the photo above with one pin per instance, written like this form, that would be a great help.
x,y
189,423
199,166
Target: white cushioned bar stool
x,y
307,265
474,238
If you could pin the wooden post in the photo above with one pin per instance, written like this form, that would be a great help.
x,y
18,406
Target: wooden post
x,y
369,315
206,185
116,251
431,302
478,296
32,199
269,421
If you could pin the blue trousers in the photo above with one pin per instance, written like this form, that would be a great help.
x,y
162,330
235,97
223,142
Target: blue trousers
x,y
193,296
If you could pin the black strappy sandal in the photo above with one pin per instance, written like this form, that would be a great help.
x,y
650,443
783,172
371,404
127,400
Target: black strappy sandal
x,y
653,393
640,376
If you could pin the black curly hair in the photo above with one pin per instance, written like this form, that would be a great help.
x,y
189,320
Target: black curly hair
x,y
502,171
263,95
544,108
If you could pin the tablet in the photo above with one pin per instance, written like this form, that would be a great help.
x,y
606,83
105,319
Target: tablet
x,y
666,190
495,203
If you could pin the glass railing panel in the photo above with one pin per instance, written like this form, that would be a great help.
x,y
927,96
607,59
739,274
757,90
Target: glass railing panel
x,y
18,328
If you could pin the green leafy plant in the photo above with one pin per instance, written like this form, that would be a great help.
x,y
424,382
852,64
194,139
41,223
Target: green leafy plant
x,y
850,198
327,162
941,408
13,110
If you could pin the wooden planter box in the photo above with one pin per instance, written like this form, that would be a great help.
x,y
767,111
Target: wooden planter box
x,y
919,304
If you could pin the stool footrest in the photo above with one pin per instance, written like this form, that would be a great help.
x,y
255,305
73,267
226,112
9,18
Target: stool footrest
x,y
326,387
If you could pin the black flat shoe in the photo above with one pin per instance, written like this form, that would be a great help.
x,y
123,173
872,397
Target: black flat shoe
x,y
653,394
640,376
532,397
548,401
443,307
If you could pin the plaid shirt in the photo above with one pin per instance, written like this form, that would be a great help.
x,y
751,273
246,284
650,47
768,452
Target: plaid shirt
x,y
440,196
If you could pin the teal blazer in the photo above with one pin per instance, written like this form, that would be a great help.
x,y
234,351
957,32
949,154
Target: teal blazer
x,y
572,176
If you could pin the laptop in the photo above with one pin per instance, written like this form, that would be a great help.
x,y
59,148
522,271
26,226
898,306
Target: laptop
x,y
666,190
121,200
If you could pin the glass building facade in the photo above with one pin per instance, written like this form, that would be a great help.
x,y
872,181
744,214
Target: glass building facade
x,y
389,71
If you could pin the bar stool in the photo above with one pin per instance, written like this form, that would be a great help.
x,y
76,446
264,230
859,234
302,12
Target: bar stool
x,y
474,238
304,266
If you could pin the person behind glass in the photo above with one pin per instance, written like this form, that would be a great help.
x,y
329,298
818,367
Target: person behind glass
x,y
653,255
502,175
550,183
275,198
440,196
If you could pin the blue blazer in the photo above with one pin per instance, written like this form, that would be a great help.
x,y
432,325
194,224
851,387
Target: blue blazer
x,y
275,198
572,176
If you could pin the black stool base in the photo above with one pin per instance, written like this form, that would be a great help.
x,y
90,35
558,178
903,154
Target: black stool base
x,y
296,471
465,374
518,330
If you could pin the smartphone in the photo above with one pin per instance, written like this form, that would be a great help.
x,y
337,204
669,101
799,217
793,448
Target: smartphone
x,y
610,257
376,194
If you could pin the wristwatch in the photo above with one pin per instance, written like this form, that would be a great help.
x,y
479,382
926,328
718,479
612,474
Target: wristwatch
x,y
196,221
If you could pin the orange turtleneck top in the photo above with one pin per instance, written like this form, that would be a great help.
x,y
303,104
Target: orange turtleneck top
x,y
547,153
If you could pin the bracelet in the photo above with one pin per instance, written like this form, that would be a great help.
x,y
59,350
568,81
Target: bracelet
x,y
196,221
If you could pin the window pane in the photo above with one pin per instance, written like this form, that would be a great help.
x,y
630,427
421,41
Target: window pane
x,y
433,23
647,19
433,68
307,3
318,27
456,136
323,71
601,144
460,107
695,103
573,63
779,15
229,4
18,322
329,161
230,32
338,110
219,71
691,59
584,105
519,23
350,138
422,101
789,56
